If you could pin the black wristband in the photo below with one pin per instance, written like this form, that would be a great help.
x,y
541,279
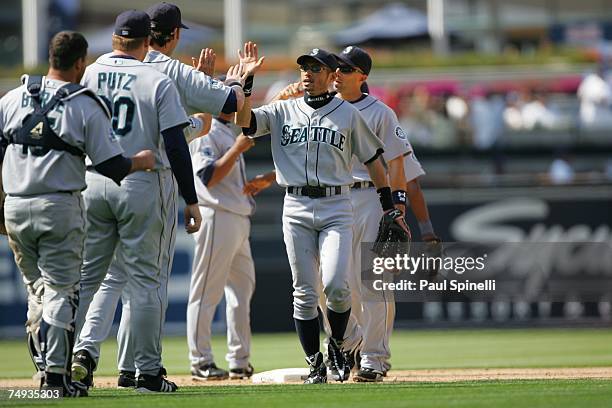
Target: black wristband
x,y
248,85
235,83
399,197
384,195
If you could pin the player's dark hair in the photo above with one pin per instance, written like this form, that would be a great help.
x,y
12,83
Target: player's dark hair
x,y
127,44
160,38
65,48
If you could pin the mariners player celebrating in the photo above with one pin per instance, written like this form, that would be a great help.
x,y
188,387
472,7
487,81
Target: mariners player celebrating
x,y
313,141
198,92
145,104
47,126
222,258
377,315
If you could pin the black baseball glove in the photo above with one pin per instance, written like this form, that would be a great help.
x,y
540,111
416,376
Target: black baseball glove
x,y
392,229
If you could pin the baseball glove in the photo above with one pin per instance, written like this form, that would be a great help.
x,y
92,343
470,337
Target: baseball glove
x,y
392,230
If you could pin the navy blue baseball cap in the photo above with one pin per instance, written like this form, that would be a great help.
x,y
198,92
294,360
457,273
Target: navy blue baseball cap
x,y
324,57
165,17
356,57
133,24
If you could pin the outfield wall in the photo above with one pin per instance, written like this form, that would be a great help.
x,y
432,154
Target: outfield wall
x,y
536,213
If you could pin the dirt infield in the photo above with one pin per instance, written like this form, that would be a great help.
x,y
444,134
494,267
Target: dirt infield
x,y
441,375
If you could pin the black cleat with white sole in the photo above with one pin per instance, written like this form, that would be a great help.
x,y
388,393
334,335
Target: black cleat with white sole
x,y
155,383
241,373
70,389
368,375
127,379
83,367
338,368
208,372
318,370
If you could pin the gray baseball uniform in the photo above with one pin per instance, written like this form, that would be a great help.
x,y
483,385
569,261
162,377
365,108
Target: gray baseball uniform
x,y
372,321
222,253
145,103
200,93
314,147
44,209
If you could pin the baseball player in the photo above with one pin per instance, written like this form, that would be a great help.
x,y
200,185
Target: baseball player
x,y
145,104
374,316
47,126
198,92
222,258
313,141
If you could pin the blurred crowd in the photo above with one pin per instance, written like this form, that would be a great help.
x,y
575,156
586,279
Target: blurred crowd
x,y
446,114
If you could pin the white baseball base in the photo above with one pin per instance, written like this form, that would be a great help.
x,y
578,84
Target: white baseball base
x,y
281,376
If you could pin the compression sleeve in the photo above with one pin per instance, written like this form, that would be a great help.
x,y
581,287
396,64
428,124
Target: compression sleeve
x,y
180,162
231,103
252,126
115,168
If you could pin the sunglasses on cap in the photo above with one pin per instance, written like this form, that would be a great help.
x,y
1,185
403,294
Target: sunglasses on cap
x,y
347,69
314,68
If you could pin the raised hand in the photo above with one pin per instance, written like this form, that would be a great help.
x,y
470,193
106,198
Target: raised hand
x,y
235,73
206,62
249,58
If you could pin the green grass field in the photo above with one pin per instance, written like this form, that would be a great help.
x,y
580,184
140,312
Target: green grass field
x,y
411,350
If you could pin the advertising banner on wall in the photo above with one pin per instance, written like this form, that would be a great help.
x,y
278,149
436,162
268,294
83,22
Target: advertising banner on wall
x,y
533,221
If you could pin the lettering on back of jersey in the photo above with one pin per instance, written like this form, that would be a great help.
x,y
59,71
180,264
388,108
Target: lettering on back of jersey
x,y
318,134
26,99
115,80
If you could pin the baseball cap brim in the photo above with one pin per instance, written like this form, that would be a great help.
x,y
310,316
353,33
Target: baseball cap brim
x,y
344,60
303,58
183,26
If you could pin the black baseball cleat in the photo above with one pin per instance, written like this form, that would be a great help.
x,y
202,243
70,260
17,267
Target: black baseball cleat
x,y
318,370
155,383
83,367
209,372
368,375
353,359
338,369
127,379
241,373
69,389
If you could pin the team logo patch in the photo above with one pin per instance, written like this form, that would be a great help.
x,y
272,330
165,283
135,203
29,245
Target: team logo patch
x,y
314,51
207,151
347,49
399,132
